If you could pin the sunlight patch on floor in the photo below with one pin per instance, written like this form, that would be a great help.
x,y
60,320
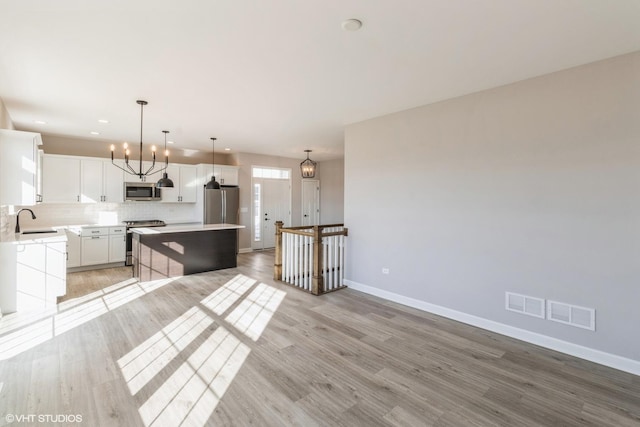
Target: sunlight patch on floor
x,y
192,393
254,312
144,362
228,294
79,315
11,321
26,335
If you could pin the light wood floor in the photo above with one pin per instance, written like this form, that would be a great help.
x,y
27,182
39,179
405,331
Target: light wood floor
x,y
264,354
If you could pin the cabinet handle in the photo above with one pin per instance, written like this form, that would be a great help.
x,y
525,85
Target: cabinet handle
x,y
78,198
95,237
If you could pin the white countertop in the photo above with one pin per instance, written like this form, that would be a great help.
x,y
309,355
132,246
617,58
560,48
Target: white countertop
x,y
184,228
57,235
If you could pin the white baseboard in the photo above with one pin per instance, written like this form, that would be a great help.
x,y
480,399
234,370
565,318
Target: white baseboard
x,y
244,250
597,356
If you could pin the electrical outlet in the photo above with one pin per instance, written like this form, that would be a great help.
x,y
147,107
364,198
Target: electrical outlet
x,y
385,270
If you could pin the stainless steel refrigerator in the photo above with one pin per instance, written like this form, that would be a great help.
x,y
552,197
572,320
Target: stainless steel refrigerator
x,y
221,206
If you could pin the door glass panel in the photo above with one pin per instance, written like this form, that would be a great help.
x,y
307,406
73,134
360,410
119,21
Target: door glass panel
x,y
257,224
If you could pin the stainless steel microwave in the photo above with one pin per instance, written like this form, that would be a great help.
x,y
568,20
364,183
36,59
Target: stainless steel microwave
x,y
141,191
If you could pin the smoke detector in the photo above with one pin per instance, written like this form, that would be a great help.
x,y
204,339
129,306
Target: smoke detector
x,y
351,24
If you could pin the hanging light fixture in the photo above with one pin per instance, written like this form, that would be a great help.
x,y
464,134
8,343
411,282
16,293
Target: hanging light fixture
x,y
140,172
213,184
308,167
165,181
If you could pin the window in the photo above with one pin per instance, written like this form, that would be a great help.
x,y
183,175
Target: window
x,y
273,173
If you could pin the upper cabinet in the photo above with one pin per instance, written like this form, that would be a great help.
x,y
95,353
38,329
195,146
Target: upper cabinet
x,y
69,179
225,175
185,184
101,181
19,167
61,179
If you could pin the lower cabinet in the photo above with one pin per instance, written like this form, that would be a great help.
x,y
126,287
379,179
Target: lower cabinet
x,y
33,275
102,245
95,250
117,244
74,244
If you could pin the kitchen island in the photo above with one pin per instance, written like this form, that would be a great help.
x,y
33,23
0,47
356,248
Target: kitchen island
x,y
179,250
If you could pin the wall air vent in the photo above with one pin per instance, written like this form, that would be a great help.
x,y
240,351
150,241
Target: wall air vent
x,y
581,317
524,304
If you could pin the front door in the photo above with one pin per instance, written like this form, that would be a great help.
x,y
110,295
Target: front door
x,y
271,203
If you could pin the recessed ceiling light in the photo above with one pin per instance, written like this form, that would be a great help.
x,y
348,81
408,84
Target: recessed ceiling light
x,y
95,133
351,24
103,121
170,142
40,122
227,149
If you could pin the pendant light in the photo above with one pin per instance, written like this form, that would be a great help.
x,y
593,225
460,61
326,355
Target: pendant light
x,y
213,184
140,172
308,167
165,181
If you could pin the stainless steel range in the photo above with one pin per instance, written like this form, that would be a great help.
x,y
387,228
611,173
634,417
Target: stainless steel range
x,y
135,224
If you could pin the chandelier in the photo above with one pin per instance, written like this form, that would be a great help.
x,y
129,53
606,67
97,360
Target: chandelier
x,y
308,167
140,172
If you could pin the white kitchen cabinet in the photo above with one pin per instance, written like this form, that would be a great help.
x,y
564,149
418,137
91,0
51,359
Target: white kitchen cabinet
x,y
69,179
185,185
100,181
225,174
135,164
95,246
91,180
113,183
19,167
61,179
228,175
101,245
74,247
95,250
33,274
117,244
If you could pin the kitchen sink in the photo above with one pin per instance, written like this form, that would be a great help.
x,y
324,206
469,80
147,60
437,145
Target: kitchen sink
x,y
48,230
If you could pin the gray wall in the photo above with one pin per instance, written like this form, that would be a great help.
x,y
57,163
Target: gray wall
x,y
532,187
331,176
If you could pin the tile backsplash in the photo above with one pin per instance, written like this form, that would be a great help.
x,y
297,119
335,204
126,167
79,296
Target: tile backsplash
x,y
99,213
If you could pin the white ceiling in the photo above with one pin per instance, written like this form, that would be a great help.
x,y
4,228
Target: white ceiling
x,y
279,76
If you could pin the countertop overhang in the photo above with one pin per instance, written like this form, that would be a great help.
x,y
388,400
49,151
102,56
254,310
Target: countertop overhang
x,y
58,235
185,228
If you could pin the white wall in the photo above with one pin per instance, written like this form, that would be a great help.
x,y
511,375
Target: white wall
x,y
532,187
5,119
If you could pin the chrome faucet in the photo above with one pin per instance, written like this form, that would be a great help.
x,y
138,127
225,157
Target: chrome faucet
x,y
33,216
